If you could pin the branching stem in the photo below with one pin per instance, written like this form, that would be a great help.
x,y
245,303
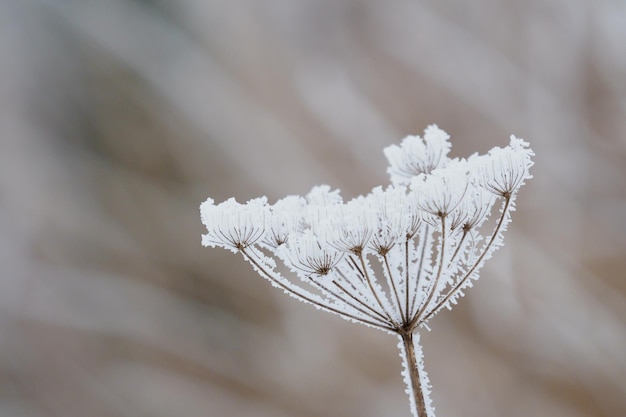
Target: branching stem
x,y
392,283
373,290
303,297
459,285
380,317
433,287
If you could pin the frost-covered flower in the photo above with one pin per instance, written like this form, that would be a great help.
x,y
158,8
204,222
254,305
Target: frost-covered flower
x,y
442,191
348,227
398,217
391,259
417,156
310,255
473,210
504,170
285,217
232,225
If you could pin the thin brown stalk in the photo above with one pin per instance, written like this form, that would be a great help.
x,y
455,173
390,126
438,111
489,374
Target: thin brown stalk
x,y
406,280
360,302
469,273
416,389
373,290
306,298
458,248
433,287
392,283
423,242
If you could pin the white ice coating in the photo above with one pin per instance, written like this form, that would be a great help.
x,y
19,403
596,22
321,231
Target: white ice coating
x,y
391,259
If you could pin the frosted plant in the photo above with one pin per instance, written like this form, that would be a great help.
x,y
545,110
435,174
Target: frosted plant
x,y
394,258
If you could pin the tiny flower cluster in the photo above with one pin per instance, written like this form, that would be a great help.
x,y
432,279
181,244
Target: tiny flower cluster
x,y
395,257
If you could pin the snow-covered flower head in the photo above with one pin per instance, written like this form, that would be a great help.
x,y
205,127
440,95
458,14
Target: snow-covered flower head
x,y
347,227
285,217
311,256
504,170
391,259
473,210
417,155
398,216
441,192
232,225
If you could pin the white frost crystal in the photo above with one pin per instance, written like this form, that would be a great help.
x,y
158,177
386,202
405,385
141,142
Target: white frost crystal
x,y
430,232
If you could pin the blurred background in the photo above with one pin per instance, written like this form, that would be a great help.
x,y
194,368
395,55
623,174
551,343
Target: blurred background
x,y
120,116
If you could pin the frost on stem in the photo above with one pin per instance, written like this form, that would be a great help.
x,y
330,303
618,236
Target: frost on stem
x,y
415,376
391,259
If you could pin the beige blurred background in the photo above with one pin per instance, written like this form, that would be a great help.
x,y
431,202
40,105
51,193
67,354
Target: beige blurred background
x,y
120,116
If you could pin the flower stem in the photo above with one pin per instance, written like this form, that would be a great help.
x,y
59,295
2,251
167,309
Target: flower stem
x,y
415,376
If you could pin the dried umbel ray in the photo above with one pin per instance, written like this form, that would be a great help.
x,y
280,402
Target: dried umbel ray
x,y
429,232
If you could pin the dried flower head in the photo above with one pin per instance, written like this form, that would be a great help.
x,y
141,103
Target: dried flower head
x,y
429,231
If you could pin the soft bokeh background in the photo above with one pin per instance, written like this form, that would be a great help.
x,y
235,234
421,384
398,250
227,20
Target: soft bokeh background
x,y
120,116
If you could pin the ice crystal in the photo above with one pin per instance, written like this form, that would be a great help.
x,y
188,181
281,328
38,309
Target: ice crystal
x,y
430,233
